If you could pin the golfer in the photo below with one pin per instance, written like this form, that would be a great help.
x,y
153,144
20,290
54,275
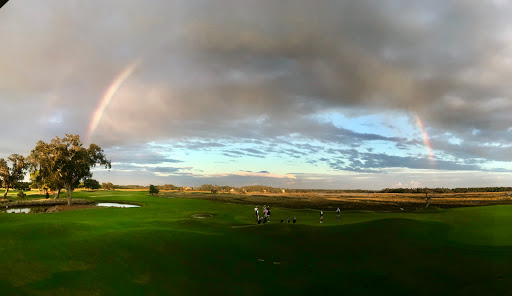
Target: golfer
x,y
321,216
338,213
256,213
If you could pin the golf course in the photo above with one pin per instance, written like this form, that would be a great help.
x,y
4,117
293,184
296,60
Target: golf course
x,y
177,245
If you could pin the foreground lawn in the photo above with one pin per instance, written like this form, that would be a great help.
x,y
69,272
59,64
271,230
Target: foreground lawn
x,y
161,249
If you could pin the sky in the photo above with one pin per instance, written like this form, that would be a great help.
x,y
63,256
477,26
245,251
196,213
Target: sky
x,y
331,94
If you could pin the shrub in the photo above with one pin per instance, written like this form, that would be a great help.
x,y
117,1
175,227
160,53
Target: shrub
x,y
153,189
21,194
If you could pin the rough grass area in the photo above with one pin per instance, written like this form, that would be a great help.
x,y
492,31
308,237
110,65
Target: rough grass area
x,y
384,202
44,202
161,249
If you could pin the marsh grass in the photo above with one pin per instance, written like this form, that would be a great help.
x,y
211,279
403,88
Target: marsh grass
x,y
385,202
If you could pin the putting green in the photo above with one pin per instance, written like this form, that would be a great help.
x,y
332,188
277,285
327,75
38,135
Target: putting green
x,y
161,248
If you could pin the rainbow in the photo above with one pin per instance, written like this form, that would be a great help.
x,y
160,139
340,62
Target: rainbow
x,y
426,140
108,95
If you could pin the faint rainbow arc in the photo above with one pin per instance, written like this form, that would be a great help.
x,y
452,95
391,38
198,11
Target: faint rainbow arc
x,y
426,139
108,95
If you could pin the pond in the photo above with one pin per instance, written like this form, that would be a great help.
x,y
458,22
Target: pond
x,y
31,210
39,209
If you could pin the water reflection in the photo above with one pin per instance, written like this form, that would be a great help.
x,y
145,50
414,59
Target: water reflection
x,y
32,210
19,211
117,205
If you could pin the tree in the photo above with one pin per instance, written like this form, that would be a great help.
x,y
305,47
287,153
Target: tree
x,y
21,185
169,187
91,183
65,162
21,194
153,189
10,176
44,160
37,180
206,187
107,186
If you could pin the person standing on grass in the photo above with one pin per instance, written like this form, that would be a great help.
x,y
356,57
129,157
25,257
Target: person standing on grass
x,y
294,219
338,213
321,216
265,212
268,213
256,213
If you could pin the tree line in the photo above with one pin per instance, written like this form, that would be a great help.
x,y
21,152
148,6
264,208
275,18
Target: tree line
x,y
446,190
93,184
63,163
269,189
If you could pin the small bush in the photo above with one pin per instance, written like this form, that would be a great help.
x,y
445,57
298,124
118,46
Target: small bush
x,y
153,189
21,194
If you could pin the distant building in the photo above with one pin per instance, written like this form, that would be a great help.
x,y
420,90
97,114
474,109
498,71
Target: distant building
x,y
283,191
232,190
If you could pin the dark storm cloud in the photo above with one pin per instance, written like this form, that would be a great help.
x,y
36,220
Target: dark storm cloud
x,y
258,70
277,67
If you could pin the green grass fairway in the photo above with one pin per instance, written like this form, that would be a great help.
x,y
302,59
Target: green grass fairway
x,y
160,249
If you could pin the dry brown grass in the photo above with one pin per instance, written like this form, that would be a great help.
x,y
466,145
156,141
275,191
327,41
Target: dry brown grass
x,y
358,201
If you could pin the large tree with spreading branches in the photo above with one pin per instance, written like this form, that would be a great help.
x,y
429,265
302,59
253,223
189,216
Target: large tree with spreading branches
x,y
44,159
10,176
65,162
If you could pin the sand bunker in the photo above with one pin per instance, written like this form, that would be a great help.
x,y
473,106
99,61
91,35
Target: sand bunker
x,y
202,216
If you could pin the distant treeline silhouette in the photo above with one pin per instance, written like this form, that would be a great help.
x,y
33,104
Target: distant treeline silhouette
x,y
408,190
445,190
269,189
